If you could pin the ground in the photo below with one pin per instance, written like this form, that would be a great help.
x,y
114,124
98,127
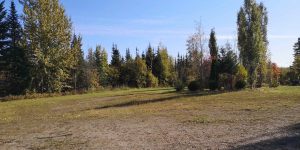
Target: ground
x,y
155,119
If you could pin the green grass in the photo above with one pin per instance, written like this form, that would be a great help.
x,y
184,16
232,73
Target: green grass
x,y
164,102
46,117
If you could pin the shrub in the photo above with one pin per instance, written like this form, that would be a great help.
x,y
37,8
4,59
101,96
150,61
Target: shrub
x,y
241,84
274,84
213,85
152,81
275,75
241,73
194,86
226,81
179,86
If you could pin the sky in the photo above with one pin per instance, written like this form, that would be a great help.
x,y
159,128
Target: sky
x,y
136,23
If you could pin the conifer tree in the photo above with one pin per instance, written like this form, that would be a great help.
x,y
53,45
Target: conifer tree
x,y
3,29
296,63
149,58
162,66
115,67
16,58
128,56
128,71
78,71
3,50
214,60
116,57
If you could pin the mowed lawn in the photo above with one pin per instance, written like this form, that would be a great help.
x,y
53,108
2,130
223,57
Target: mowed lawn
x,y
156,118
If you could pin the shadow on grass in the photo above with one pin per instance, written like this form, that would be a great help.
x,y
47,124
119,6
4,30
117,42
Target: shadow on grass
x,y
151,90
137,93
290,140
169,98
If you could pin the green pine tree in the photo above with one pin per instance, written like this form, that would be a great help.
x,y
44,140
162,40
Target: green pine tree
x,y
128,56
296,63
161,66
116,57
214,74
149,58
3,51
16,58
78,71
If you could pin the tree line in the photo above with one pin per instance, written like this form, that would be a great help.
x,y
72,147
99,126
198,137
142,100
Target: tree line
x,y
40,53
291,75
43,55
224,68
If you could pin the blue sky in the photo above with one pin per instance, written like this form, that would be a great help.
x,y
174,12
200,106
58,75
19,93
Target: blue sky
x,y
136,23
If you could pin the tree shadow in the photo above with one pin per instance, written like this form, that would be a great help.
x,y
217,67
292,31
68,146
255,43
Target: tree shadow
x,y
137,93
169,98
289,140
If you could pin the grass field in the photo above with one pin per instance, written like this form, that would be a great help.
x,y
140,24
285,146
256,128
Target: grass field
x,y
155,119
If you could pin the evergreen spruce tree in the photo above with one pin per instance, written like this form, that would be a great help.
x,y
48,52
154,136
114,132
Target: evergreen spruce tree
x,y
128,56
97,55
149,58
3,50
3,30
116,57
228,67
161,67
16,57
143,56
128,72
296,63
115,67
78,72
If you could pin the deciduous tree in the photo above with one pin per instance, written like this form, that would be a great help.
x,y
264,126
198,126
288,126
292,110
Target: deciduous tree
x,y
252,39
48,35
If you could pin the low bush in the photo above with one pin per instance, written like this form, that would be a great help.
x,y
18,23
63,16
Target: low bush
x,y
151,80
274,84
194,86
179,86
241,84
213,85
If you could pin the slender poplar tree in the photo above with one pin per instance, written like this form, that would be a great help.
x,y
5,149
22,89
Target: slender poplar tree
x,y
252,40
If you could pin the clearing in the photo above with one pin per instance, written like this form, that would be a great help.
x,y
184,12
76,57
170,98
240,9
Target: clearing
x,y
155,119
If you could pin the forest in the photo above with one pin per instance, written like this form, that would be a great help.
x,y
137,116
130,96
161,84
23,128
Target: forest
x,y
39,53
